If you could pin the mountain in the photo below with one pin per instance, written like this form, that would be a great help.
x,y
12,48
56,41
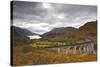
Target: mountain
x,y
62,29
17,38
65,34
87,30
23,32
58,34
59,31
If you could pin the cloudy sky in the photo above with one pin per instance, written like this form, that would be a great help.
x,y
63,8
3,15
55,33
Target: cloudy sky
x,y
41,17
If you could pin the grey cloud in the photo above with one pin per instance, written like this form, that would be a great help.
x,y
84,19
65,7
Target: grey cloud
x,y
34,13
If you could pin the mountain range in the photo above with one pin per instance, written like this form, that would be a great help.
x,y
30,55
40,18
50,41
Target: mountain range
x,y
62,34
59,31
19,36
23,31
88,29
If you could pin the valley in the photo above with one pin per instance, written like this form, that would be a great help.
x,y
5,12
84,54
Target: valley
x,y
46,49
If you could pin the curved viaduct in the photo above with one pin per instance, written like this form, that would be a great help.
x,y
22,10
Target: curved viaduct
x,y
86,47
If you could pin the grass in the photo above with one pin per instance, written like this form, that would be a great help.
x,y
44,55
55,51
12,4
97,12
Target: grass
x,y
42,44
32,56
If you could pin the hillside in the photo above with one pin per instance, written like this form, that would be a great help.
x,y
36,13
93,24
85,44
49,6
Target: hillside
x,y
22,31
58,34
18,38
87,30
64,34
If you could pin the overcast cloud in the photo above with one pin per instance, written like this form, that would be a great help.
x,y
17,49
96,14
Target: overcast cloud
x,y
40,17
